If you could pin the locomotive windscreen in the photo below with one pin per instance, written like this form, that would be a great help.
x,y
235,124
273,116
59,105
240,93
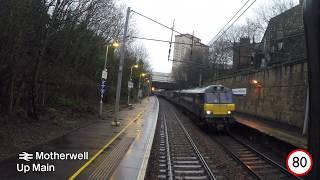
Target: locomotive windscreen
x,y
225,97
219,97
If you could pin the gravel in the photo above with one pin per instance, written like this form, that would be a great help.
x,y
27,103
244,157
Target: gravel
x,y
223,166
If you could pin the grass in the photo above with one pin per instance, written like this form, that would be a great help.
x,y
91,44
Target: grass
x,y
63,101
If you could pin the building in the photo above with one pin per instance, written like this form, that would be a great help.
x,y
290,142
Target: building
x,y
283,41
183,45
284,38
243,53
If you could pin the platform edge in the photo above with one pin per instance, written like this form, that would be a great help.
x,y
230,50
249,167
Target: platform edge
x,y
143,167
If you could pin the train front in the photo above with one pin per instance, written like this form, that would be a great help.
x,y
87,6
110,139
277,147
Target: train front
x,y
219,108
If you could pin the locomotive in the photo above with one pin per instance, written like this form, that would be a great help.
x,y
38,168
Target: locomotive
x,y
212,106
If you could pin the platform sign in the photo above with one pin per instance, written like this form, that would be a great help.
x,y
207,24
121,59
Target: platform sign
x,y
130,84
102,87
102,92
140,93
103,84
239,91
299,162
104,74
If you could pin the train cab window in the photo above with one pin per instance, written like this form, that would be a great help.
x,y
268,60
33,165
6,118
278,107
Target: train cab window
x,y
199,99
196,100
225,97
212,98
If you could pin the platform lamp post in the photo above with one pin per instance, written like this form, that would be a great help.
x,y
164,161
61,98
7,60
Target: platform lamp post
x,y
141,75
130,84
149,87
122,54
105,76
139,84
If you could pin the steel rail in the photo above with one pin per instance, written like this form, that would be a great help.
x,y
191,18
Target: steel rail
x,y
234,156
256,153
282,169
206,166
167,147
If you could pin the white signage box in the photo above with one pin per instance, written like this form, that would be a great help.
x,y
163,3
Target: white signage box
x,y
239,91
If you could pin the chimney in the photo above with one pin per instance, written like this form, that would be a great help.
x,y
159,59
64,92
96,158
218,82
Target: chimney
x,y
244,40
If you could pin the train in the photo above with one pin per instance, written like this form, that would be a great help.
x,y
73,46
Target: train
x,y
212,106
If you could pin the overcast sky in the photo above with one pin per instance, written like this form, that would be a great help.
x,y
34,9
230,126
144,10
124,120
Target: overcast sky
x,y
204,17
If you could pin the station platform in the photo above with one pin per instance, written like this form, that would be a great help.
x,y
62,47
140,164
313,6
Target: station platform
x,y
287,134
134,163
117,152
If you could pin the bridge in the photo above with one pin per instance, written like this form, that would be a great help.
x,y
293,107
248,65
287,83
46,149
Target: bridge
x,y
163,81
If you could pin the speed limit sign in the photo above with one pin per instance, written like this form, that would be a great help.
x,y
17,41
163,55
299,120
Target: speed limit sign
x,y
299,162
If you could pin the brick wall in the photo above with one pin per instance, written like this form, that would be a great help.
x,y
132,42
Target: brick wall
x,y
280,96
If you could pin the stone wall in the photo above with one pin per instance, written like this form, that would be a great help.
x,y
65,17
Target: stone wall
x,y
280,95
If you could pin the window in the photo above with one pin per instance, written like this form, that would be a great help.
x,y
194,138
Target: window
x,y
188,99
212,98
280,46
272,49
263,63
222,97
225,97
199,99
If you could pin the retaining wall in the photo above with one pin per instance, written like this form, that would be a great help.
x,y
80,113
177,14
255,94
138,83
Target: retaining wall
x,y
280,95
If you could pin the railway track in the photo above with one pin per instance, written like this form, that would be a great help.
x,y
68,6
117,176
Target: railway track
x,y
256,163
179,156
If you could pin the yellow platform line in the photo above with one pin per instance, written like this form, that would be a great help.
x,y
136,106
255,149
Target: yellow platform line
x,y
103,148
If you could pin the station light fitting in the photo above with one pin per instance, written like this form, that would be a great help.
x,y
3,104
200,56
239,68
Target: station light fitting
x,y
229,112
115,44
208,112
254,81
136,66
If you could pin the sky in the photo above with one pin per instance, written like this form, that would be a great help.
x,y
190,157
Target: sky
x,y
203,17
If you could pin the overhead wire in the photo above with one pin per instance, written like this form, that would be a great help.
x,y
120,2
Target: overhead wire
x,y
233,22
161,24
171,28
165,41
230,20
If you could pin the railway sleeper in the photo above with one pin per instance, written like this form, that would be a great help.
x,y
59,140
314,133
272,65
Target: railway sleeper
x,y
187,166
185,158
186,162
194,172
191,177
258,162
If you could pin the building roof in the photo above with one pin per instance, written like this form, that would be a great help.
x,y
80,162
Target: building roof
x,y
285,24
187,35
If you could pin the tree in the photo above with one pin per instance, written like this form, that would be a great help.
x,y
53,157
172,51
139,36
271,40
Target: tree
x,y
221,50
46,45
265,12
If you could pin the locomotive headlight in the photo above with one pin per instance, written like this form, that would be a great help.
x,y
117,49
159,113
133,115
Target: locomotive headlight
x,y
229,112
208,112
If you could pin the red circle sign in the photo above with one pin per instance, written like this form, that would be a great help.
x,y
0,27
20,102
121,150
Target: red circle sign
x,y
299,162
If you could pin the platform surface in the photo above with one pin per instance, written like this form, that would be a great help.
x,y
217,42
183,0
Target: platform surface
x,y
134,163
287,134
89,139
